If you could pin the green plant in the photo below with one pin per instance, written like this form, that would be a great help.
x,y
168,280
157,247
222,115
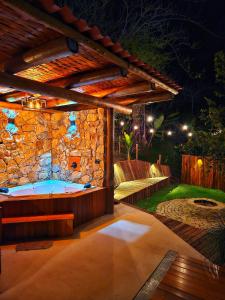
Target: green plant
x,y
128,138
209,137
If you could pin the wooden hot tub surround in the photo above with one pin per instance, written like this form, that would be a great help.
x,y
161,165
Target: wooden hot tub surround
x,y
38,216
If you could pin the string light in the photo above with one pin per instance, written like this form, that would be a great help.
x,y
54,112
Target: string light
x,y
122,123
151,130
190,134
150,118
185,127
169,133
135,127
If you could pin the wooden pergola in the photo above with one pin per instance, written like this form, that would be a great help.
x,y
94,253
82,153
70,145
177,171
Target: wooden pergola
x,y
46,50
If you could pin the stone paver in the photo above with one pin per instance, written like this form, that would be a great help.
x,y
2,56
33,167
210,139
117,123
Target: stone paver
x,y
186,211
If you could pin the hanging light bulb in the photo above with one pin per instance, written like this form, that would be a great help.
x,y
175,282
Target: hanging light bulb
x,y
37,105
190,134
31,104
169,132
151,130
135,127
150,118
185,127
122,123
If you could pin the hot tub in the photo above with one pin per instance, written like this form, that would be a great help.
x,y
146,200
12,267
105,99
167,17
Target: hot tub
x,y
47,187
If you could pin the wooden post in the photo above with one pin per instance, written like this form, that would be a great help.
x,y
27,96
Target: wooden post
x,y
109,168
119,146
136,151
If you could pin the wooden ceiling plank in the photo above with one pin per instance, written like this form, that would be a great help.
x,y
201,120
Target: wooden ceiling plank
x,y
35,87
76,80
53,23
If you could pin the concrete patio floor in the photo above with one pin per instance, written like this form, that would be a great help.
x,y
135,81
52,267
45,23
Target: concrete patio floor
x,y
109,258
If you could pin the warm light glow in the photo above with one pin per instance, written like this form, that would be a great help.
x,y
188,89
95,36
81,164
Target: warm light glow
x,y
31,104
135,127
122,123
37,105
126,231
200,163
169,132
185,127
190,134
151,130
150,118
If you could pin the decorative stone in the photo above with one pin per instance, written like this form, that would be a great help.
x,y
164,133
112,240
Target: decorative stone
x,y
2,166
41,148
43,175
3,178
28,128
45,160
91,117
75,153
23,180
55,168
75,176
85,179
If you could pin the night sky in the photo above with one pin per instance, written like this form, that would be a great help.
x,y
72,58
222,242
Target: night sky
x,y
204,25
210,38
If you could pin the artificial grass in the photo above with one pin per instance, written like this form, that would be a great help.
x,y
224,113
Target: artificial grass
x,y
180,191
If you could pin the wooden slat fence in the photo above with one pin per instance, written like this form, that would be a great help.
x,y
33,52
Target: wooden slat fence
x,y
202,172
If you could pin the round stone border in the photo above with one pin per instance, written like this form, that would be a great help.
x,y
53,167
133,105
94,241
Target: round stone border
x,y
186,211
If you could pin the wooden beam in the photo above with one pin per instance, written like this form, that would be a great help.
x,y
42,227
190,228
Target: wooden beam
x,y
109,169
43,54
10,105
74,107
141,87
96,76
76,80
14,96
29,11
145,98
35,87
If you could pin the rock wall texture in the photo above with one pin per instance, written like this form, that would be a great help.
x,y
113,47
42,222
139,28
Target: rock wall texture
x,y
42,145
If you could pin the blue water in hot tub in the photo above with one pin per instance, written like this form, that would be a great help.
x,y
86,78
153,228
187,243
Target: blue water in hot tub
x,y
46,187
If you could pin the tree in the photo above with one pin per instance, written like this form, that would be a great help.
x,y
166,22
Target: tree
x,y
152,30
209,136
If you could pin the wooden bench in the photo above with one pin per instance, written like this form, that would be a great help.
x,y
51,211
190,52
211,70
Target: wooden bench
x,y
40,226
136,180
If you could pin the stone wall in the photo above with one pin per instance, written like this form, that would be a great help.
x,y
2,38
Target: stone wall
x,y
87,142
43,143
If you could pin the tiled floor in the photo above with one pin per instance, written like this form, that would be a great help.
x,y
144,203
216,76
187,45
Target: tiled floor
x,y
108,259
